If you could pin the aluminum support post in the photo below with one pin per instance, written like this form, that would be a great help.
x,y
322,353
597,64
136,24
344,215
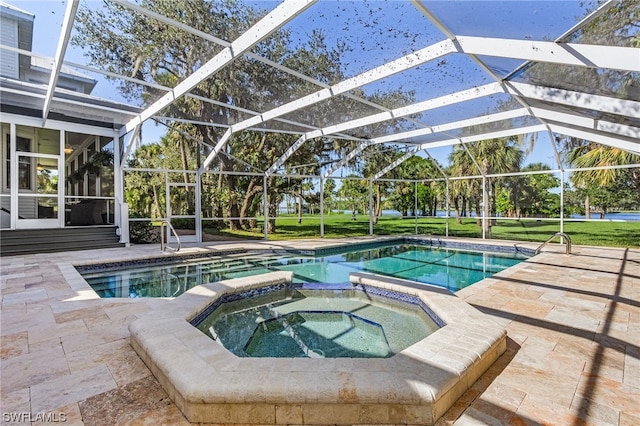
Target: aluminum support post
x,y
448,209
321,207
265,207
415,205
199,206
370,207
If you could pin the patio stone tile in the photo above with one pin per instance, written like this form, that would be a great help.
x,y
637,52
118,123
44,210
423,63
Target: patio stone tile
x,y
90,338
34,295
607,362
538,383
609,392
8,272
31,368
521,292
10,311
121,311
79,314
124,363
11,288
626,307
22,316
631,372
617,330
14,345
531,308
169,415
551,361
485,414
531,327
127,404
103,320
501,396
17,401
594,413
628,419
620,330
46,344
563,316
68,415
533,412
576,347
69,388
47,283
98,320
26,276
59,293
612,341
18,322
483,303
64,306
71,328
589,306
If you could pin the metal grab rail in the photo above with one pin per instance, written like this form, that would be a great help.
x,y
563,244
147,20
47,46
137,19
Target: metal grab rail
x,y
168,277
163,246
557,234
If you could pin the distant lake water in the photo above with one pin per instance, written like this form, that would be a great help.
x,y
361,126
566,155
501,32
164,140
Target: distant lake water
x,y
611,216
608,216
441,213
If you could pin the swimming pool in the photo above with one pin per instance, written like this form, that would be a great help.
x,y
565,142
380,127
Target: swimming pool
x,y
452,268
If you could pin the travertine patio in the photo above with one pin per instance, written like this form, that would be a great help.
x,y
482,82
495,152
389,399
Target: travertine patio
x,y
573,356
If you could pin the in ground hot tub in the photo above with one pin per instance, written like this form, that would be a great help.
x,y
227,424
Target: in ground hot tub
x,y
414,385
317,321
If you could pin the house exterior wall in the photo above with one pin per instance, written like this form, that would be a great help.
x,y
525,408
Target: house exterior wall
x,y
9,64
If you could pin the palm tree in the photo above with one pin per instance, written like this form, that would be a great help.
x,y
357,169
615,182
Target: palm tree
x,y
591,154
463,191
493,156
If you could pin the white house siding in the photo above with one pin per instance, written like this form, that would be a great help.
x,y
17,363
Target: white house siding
x,y
9,36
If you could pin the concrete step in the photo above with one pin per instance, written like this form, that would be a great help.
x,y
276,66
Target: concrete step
x,y
29,241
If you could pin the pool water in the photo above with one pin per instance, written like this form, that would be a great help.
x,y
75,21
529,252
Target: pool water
x,y
446,267
317,323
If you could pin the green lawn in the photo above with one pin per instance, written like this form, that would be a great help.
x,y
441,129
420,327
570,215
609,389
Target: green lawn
x,y
615,234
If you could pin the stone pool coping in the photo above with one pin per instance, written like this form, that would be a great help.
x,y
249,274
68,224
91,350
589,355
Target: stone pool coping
x,y
416,386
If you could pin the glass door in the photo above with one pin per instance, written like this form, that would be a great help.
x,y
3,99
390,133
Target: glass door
x,y
32,175
39,205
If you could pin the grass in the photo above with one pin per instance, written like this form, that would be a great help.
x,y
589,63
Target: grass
x,y
613,234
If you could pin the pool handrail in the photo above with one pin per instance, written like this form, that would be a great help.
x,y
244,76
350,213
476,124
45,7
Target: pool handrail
x,y
163,246
557,234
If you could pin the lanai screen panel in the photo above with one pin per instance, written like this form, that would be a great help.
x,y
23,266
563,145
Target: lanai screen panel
x,y
438,77
162,43
530,20
519,20
369,34
617,27
156,42
468,109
